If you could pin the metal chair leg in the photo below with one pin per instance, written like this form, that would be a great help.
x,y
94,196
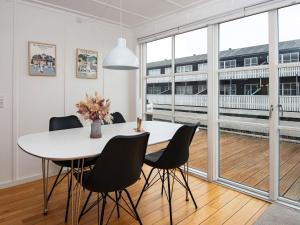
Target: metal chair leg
x,y
84,206
117,203
169,197
133,207
55,182
162,183
145,185
188,188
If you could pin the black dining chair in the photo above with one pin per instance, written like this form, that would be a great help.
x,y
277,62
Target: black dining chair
x,y
167,160
117,118
118,167
62,123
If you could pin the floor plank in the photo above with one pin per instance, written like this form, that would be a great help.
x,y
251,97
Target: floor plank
x,y
23,205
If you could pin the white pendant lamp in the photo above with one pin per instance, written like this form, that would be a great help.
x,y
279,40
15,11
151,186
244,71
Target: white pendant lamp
x,y
120,57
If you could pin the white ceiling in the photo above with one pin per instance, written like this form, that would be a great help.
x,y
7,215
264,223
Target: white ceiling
x,y
134,12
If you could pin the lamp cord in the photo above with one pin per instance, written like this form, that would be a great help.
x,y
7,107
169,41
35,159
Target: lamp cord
x,y
121,19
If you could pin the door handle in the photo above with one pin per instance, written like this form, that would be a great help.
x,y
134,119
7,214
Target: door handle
x,y
280,107
271,111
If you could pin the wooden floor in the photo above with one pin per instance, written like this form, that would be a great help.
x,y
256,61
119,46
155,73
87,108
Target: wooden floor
x,y
23,204
245,159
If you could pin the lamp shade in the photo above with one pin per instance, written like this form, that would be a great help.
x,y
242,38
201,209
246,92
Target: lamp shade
x,y
121,58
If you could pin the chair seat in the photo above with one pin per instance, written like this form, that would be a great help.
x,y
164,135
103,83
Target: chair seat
x,y
152,158
67,163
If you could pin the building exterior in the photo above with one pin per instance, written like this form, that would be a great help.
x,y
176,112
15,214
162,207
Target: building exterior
x,y
244,82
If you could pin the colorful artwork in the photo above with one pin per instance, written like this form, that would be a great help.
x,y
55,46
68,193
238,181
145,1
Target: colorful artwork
x,y
42,59
87,64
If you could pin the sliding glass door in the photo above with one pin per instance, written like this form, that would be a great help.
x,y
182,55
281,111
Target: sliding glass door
x,y
175,81
191,90
244,101
289,103
239,80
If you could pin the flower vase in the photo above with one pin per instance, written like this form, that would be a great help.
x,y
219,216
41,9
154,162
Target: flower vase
x,y
96,129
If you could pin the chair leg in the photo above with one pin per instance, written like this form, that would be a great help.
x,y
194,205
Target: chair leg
x,y
133,207
117,203
162,182
84,206
145,185
103,209
188,188
144,175
169,197
55,182
68,200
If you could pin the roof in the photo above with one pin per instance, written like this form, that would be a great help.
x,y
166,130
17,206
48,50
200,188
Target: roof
x,y
231,53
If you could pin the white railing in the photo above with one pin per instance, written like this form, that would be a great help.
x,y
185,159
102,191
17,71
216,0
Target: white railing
x,y
251,102
244,73
262,71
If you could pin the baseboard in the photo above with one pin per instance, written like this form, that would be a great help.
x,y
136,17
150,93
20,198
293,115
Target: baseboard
x,y
27,179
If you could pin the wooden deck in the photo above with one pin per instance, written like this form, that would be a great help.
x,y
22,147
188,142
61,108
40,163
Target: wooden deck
x,y
245,159
23,205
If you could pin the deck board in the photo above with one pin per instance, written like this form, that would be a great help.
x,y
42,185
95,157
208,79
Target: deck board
x,y
245,159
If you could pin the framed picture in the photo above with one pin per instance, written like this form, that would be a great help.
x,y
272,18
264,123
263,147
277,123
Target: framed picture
x,y
86,64
42,59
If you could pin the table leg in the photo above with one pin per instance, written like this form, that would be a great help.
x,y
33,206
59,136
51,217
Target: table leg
x,y
187,181
72,192
80,190
45,170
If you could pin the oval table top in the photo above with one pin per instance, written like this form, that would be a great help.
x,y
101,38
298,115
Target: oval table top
x,y
76,143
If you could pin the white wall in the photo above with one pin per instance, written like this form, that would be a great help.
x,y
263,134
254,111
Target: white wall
x,y
31,101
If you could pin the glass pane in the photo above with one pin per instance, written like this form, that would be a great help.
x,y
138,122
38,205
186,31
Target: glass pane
x,y
191,90
159,55
244,156
198,148
290,165
191,51
159,95
244,101
289,71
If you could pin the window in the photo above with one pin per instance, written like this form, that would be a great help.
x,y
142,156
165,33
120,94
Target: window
x,y
250,89
289,57
184,90
185,68
154,71
227,89
227,64
154,90
253,61
201,88
168,70
288,88
202,66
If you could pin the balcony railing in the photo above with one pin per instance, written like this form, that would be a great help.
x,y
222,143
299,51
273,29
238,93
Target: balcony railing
x,y
250,102
262,71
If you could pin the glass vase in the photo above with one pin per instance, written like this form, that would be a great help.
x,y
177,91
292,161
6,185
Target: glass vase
x,y
96,129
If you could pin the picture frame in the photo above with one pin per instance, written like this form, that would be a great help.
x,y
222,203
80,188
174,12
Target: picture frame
x,y
86,64
42,60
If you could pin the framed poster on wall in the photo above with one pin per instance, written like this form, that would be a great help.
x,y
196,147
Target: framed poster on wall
x,y
86,64
42,59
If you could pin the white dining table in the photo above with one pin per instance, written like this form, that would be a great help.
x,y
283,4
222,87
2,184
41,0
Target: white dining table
x,y
76,144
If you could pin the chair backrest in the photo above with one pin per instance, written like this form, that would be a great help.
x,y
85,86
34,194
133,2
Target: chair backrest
x,y
65,122
177,152
117,118
120,163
